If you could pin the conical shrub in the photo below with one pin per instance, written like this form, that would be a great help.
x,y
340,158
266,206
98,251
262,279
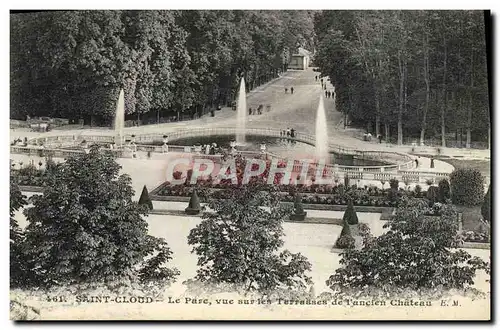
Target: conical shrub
x,y
145,199
350,216
194,206
345,240
298,208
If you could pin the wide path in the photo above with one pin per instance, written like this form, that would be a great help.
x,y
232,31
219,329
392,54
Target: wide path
x,y
297,111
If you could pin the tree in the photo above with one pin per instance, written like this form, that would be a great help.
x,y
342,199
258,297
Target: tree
x,y
18,268
420,72
486,207
467,186
86,228
444,190
415,254
238,243
145,199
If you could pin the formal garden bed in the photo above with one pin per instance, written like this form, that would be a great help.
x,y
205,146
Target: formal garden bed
x,y
31,177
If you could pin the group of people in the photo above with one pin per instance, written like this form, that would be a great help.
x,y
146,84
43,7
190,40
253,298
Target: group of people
x,y
368,137
210,149
258,110
323,86
289,132
19,142
291,90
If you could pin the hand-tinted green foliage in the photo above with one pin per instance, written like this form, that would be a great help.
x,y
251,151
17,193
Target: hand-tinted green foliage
x,y
86,228
467,186
486,207
239,242
414,254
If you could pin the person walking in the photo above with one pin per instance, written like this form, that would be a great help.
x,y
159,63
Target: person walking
x,y
288,131
326,94
292,133
416,162
291,90
286,90
316,77
249,111
321,81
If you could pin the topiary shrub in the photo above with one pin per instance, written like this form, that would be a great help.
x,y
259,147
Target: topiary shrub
x,y
444,190
345,240
298,210
467,186
145,199
394,183
418,190
486,207
433,195
194,206
350,216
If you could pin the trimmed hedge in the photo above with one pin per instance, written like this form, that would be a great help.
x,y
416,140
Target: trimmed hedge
x,y
467,187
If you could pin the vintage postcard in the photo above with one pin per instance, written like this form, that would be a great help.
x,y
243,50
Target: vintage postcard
x,y
250,165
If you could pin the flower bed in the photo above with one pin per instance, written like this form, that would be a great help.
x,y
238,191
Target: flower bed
x,y
476,237
314,194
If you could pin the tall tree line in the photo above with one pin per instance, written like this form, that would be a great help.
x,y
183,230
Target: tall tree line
x,y
411,74
72,64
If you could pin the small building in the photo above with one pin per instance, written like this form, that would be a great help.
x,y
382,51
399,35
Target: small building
x,y
300,61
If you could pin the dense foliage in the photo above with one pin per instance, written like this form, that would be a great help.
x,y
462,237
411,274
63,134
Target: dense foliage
x,y
72,64
416,254
444,190
240,242
86,228
486,207
467,186
433,195
17,265
416,74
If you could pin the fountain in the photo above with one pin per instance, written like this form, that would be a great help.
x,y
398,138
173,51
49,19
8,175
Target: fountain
x,y
120,119
321,133
241,113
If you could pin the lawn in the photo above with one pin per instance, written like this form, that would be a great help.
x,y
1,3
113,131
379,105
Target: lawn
x,y
484,166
